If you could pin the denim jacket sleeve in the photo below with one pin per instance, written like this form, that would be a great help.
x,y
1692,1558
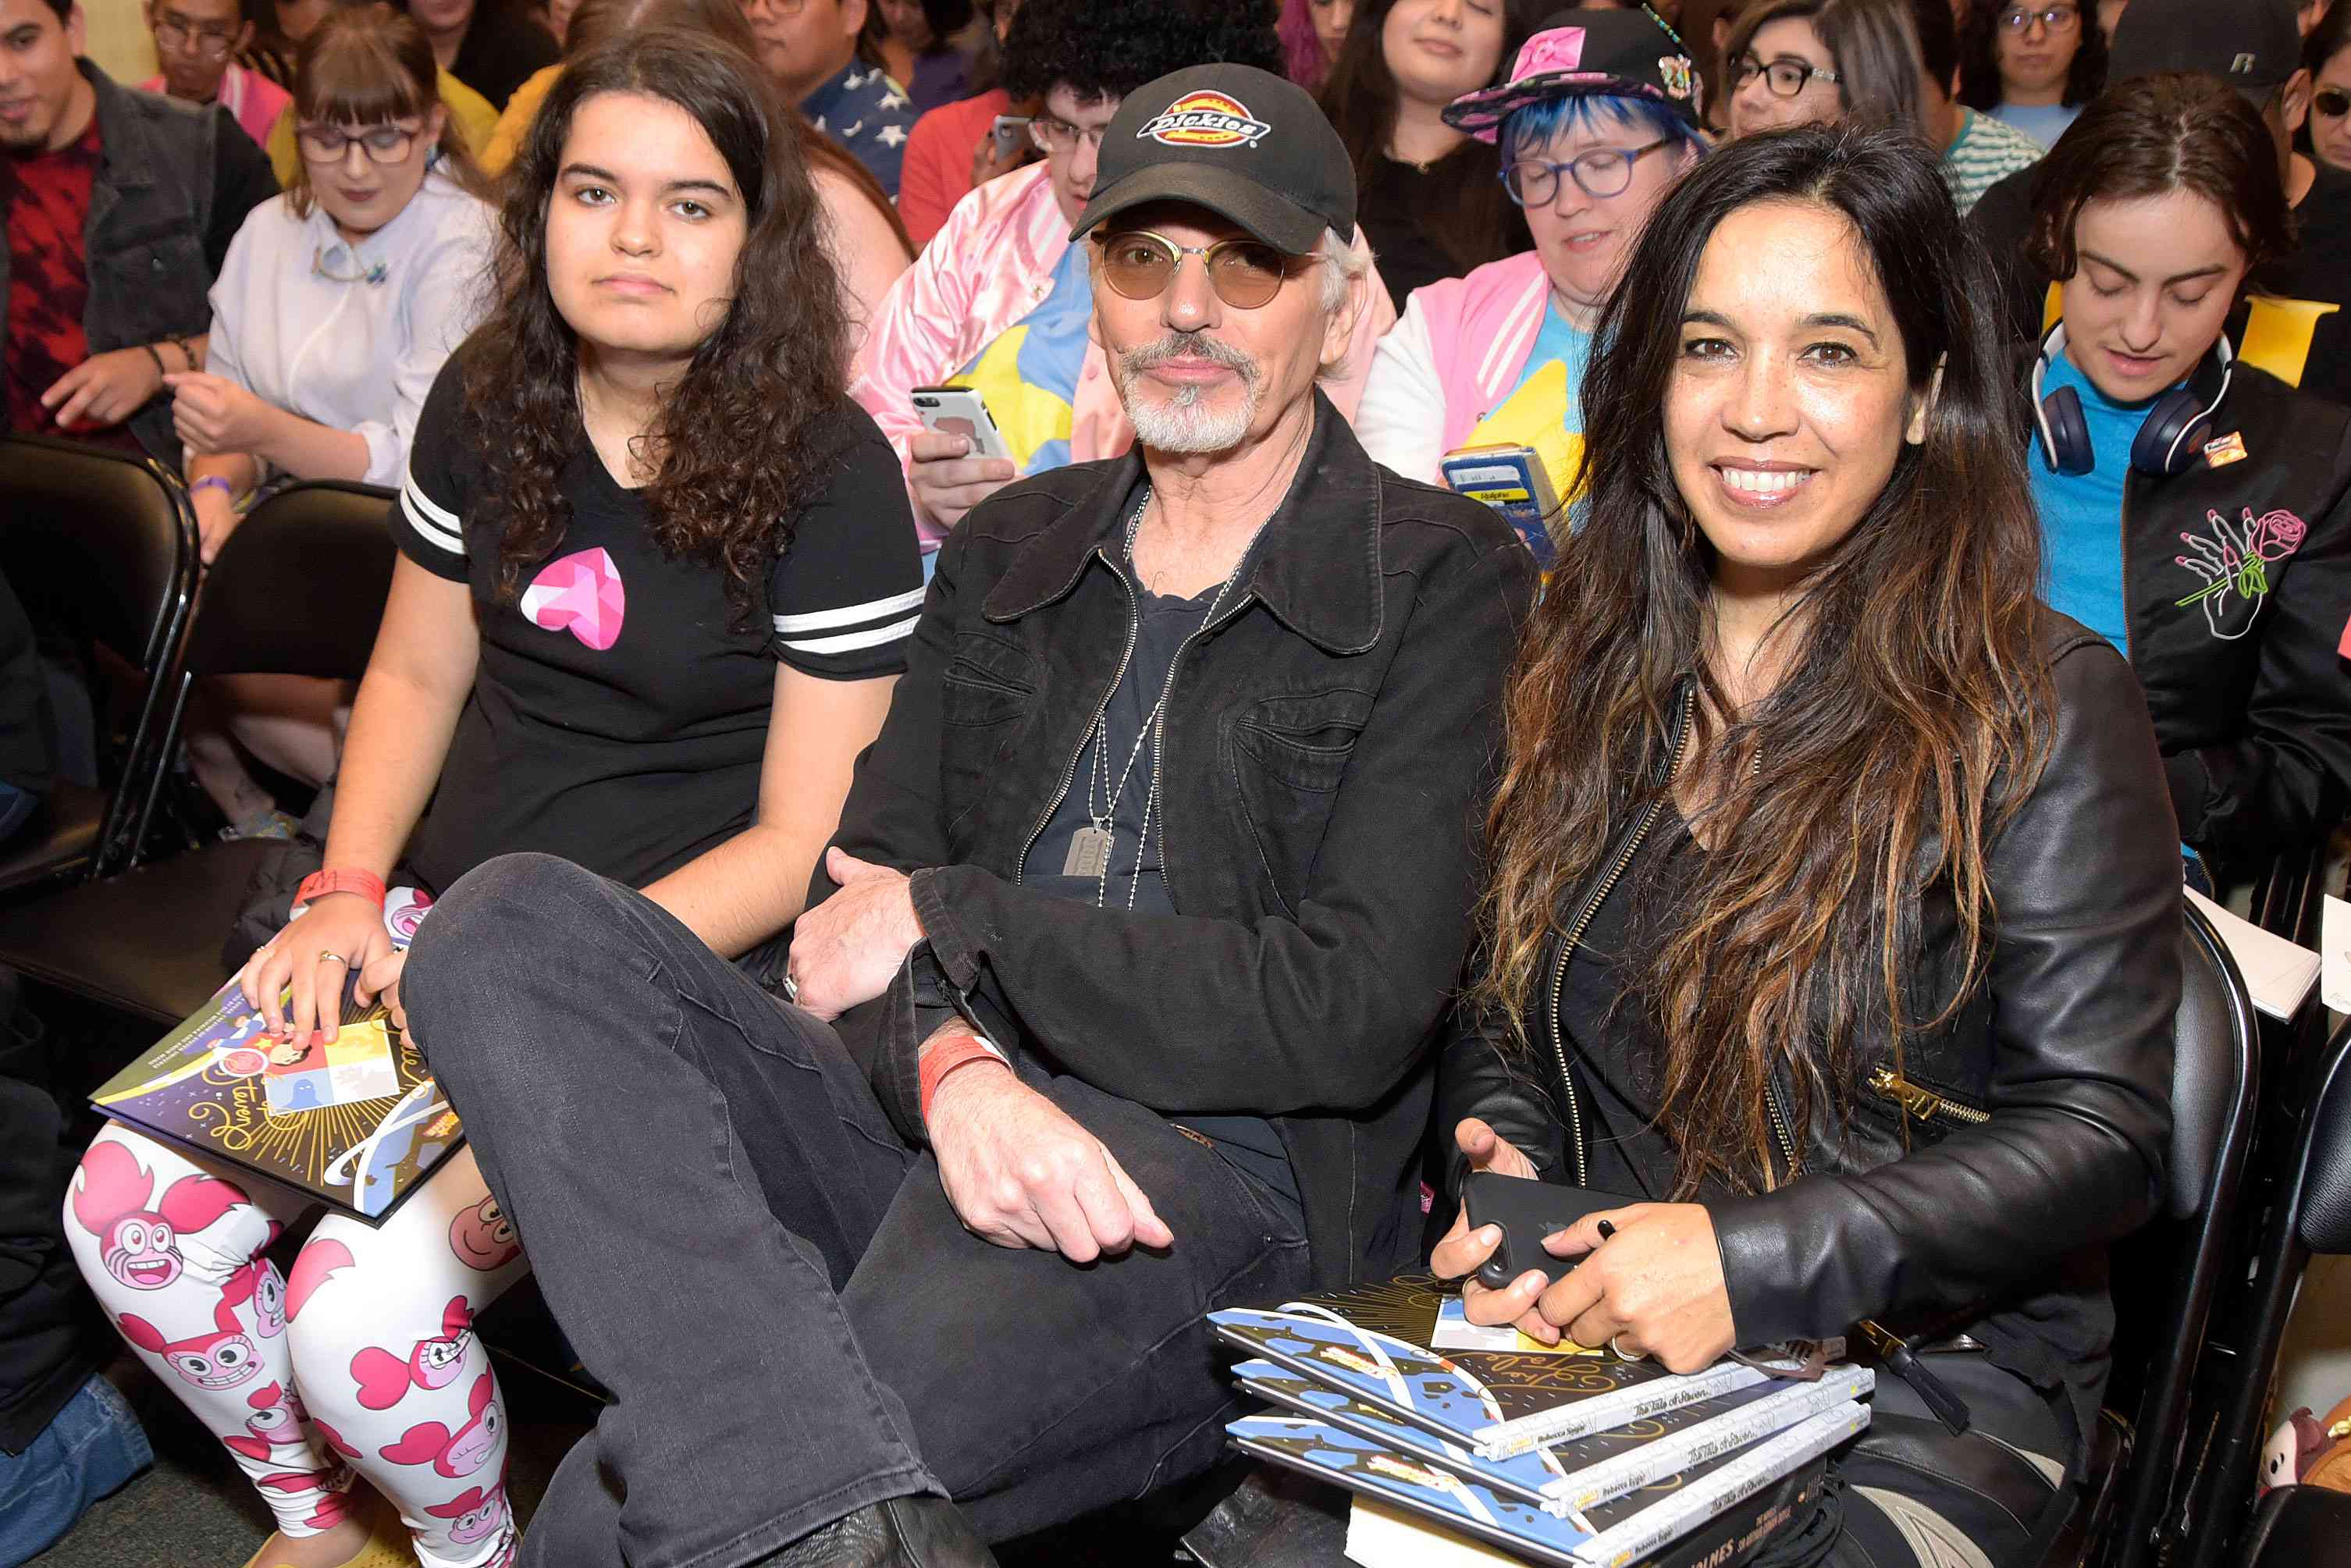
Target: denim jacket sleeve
x,y
2084,979
1328,1009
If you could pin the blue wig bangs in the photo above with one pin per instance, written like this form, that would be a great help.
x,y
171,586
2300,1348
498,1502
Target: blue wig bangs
x,y
1534,126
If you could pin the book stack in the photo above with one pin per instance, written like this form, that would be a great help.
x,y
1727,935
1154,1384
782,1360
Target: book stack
x,y
1577,1461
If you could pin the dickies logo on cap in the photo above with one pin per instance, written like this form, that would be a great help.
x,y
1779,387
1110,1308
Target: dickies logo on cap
x,y
1206,119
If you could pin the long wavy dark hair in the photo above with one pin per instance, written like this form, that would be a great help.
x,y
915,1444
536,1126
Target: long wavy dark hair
x,y
742,441
1913,717
1476,223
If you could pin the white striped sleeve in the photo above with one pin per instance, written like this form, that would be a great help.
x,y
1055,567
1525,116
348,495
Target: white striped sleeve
x,y
845,598
428,519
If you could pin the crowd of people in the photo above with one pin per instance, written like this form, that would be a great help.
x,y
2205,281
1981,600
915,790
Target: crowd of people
x,y
955,898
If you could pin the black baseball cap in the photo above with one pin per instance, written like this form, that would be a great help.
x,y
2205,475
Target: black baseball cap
x,y
2253,45
1588,54
1244,143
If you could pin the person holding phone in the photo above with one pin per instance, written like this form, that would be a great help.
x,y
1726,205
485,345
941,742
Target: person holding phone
x,y
999,300
1764,859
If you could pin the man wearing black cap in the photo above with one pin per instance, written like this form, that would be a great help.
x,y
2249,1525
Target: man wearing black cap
x,y
2255,47
1142,914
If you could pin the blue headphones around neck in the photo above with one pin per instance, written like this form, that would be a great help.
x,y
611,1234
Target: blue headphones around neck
x,y
2169,439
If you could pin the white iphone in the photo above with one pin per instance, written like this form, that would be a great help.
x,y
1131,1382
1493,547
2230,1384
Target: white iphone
x,y
959,410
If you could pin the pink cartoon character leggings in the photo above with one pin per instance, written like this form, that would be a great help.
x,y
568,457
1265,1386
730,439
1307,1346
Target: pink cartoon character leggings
x,y
365,1359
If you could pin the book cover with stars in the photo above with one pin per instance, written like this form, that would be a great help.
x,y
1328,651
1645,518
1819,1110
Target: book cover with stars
x,y
356,1122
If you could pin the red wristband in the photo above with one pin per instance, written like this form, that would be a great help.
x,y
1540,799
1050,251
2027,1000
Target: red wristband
x,y
945,1058
319,883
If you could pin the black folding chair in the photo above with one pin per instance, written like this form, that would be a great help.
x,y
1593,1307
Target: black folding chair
x,y
2302,1526
298,589
2311,1212
100,545
2179,1259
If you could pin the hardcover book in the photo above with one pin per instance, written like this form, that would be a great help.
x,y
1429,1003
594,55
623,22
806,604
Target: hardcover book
x,y
357,1122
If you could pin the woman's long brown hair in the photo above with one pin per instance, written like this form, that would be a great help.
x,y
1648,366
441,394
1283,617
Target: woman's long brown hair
x,y
1911,719
747,437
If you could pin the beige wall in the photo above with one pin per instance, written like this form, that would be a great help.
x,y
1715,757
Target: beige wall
x,y
117,38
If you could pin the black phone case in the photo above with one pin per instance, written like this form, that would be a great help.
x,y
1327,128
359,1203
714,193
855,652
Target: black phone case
x,y
1527,1211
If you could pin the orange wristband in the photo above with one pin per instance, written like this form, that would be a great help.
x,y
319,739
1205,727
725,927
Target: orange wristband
x,y
942,1059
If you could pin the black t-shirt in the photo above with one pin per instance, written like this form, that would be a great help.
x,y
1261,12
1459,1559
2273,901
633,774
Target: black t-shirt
x,y
1163,625
502,50
1396,210
2320,269
619,716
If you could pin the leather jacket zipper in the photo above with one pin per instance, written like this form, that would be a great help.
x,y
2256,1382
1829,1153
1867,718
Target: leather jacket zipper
x,y
1781,1124
1918,1101
1583,919
1070,774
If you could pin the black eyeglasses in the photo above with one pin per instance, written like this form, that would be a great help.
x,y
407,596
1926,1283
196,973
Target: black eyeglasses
x,y
1244,273
1600,171
2056,18
383,143
1785,77
2331,101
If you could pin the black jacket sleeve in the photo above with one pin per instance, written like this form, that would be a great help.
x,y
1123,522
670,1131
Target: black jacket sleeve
x,y
2084,979
2283,777
1484,1073
241,181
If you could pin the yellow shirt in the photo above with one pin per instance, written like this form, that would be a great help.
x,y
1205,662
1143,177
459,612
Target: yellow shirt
x,y
515,123
475,117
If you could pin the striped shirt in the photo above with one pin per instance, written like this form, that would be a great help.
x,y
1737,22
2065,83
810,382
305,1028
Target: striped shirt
x,y
1985,152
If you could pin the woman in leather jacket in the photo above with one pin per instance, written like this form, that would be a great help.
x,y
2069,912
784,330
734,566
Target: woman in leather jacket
x,y
2195,510
1833,907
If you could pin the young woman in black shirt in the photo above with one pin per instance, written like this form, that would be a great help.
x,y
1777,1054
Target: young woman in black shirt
x,y
656,579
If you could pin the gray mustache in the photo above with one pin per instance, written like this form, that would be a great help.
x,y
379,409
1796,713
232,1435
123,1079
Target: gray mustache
x,y
1179,346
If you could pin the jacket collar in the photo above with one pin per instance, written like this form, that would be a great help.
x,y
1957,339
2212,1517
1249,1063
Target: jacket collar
x,y
1318,566
121,135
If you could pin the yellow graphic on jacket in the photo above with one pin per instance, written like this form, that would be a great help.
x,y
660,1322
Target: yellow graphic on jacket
x,y
1029,375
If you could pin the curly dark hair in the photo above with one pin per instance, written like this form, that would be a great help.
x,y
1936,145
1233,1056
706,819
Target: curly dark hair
x,y
747,434
1107,48
1980,56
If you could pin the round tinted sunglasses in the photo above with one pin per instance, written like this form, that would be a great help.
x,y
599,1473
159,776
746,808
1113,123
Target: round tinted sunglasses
x,y
1246,273
2331,101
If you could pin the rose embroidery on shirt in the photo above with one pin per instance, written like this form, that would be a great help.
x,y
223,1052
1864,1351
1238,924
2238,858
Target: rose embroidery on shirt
x,y
2233,565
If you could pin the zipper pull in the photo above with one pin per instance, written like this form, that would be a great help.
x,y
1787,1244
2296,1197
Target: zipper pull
x,y
1902,1360
1919,1102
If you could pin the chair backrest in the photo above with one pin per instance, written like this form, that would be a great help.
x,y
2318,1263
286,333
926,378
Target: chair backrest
x,y
2324,1220
103,544
2181,1259
298,589
104,538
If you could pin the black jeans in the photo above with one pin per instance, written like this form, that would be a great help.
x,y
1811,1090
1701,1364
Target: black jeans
x,y
791,1318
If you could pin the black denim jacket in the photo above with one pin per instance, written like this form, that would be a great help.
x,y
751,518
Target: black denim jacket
x,y
1328,746
2058,1067
174,184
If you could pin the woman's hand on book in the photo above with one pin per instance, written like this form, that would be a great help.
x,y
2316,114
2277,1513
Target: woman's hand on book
x,y
382,978
340,934
1650,1283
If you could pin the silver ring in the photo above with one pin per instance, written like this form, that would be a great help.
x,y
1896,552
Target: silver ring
x,y
791,989
326,957
1619,1352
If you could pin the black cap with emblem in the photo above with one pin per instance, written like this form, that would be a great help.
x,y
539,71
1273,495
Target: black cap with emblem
x,y
1242,142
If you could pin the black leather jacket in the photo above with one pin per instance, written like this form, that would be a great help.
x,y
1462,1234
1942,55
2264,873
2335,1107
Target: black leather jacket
x,y
2059,1068
1328,745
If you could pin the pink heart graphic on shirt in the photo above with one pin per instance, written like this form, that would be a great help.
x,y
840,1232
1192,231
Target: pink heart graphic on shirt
x,y
580,593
